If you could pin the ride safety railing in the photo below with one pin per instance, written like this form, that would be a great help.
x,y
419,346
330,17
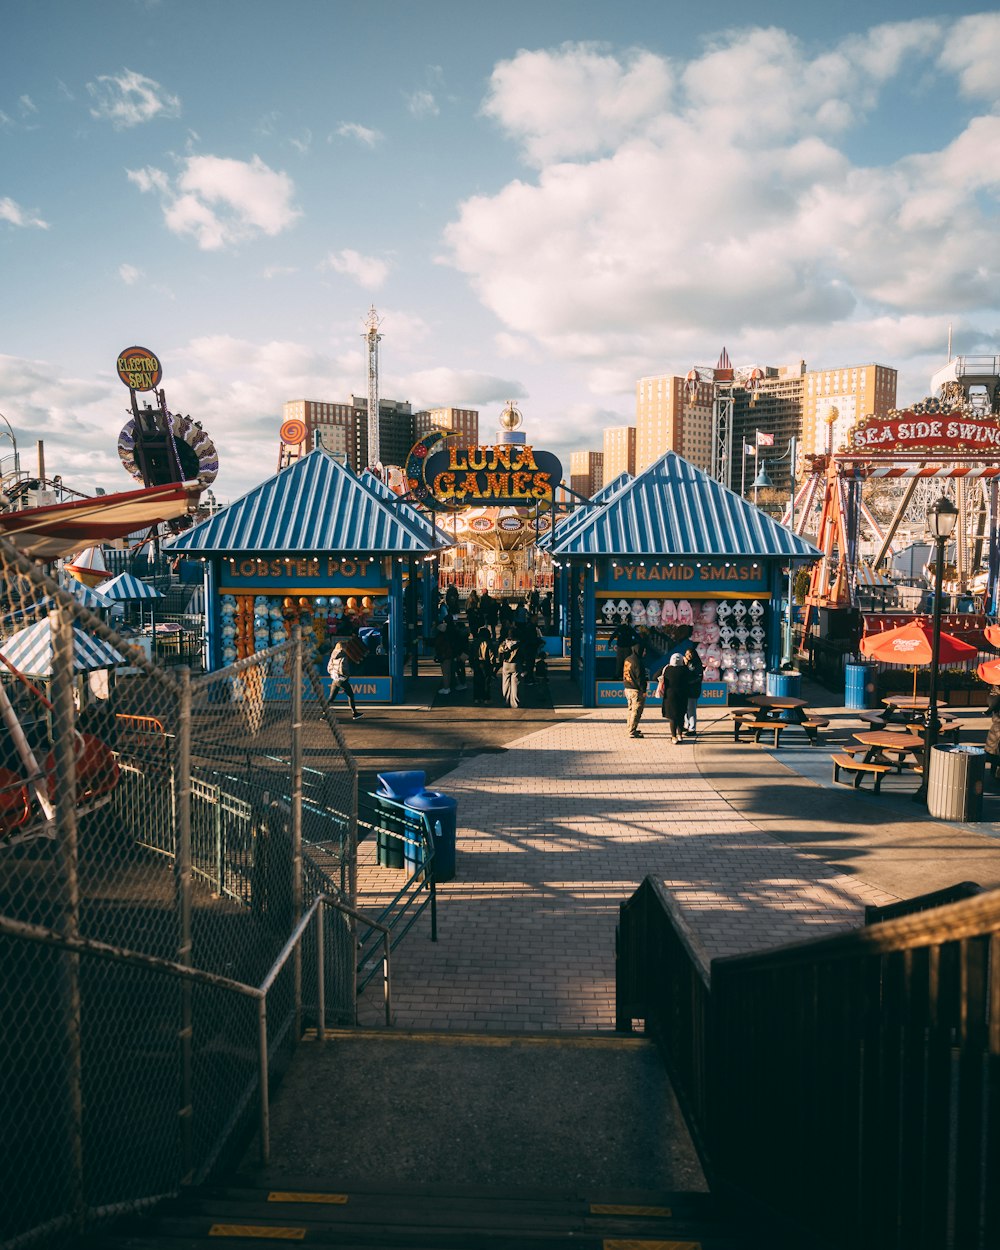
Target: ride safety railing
x,y
207,1094
844,1090
404,838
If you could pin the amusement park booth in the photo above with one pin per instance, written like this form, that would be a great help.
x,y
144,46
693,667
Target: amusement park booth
x,y
315,542
674,548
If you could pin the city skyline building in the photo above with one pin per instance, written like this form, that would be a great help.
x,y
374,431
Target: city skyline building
x,y
668,419
619,451
774,407
342,428
586,472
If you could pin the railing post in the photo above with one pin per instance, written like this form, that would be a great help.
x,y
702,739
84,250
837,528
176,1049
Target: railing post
x,y
296,797
182,878
320,975
265,1092
386,979
220,863
64,752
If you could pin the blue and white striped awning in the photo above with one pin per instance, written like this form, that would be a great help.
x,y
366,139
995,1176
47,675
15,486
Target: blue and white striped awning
x,y
87,595
674,508
316,504
565,525
126,587
30,651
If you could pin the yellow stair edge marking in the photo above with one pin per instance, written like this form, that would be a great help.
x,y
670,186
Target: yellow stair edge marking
x,y
633,1244
280,1196
269,1231
607,1208
612,1041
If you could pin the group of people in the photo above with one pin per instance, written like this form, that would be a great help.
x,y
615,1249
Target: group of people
x,y
497,638
678,687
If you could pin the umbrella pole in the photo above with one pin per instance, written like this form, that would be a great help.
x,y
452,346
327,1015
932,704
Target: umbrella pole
x,y
27,755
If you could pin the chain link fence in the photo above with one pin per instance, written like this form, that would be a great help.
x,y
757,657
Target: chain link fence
x,y
190,821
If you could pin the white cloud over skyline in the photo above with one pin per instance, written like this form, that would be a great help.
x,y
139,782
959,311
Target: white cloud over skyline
x,y
369,272
220,201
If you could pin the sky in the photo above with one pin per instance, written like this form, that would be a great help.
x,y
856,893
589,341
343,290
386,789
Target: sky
x,y
544,201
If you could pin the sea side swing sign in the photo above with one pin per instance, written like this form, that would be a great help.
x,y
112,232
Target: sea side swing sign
x,y
504,475
954,433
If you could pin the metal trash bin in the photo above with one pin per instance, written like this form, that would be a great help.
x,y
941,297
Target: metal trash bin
x,y
955,783
859,685
441,811
785,685
397,787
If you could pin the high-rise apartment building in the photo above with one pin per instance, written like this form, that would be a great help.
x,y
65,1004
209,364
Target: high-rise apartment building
x,y
775,408
461,421
833,399
343,428
668,419
619,451
586,472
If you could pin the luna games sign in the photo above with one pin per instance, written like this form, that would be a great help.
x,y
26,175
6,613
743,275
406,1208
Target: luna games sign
x,y
505,475
931,432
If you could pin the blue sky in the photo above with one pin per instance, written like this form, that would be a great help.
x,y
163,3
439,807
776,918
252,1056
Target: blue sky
x,y
545,201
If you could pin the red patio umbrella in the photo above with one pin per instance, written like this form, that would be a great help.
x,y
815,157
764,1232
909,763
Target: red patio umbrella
x,y
912,644
992,633
989,671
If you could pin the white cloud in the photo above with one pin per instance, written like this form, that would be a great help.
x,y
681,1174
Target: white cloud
x,y
714,201
576,101
422,104
15,215
363,134
367,271
220,201
26,106
972,52
129,274
129,99
304,144
458,388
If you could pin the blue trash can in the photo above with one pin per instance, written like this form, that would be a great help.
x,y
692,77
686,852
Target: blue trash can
x,y
785,685
859,685
398,787
441,811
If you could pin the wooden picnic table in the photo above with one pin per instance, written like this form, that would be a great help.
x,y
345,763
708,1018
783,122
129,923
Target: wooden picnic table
x,y
884,741
908,702
776,702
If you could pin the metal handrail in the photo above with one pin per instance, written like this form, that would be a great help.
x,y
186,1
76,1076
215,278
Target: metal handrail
x,y
91,946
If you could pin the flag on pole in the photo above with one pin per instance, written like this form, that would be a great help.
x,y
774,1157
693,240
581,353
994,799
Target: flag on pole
x,y
764,439
749,449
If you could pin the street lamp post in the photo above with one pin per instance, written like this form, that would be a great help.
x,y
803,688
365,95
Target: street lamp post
x,y
763,482
941,518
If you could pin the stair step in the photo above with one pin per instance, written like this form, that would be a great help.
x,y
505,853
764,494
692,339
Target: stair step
x,y
430,1217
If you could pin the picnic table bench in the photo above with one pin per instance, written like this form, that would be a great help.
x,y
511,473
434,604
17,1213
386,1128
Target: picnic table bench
x,y
755,721
845,763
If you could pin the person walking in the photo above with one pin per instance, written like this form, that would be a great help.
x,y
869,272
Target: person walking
x,y
491,612
623,638
459,641
635,679
474,615
484,663
676,680
339,669
696,672
993,734
507,657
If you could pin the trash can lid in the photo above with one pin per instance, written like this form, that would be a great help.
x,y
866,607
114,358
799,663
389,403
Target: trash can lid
x,y
431,799
402,785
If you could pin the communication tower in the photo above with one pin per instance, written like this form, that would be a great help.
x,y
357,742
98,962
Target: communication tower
x,y
372,339
723,379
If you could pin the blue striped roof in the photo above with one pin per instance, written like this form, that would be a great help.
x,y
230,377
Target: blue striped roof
x,y
674,508
316,504
565,525
125,586
30,651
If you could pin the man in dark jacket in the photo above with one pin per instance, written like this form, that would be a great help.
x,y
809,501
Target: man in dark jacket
x,y
623,638
635,678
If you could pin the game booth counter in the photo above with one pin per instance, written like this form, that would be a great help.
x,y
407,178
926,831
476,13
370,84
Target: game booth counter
x,y
314,543
671,551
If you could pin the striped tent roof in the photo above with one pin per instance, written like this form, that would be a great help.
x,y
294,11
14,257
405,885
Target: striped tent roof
x,y
125,586
405,511
87,595
566,524
316,504
674,508
30,651
872,579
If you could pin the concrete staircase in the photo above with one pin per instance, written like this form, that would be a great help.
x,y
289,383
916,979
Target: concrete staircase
x,y
459,1140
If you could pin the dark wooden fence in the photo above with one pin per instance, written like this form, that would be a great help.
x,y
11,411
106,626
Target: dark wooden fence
x,y
846,1090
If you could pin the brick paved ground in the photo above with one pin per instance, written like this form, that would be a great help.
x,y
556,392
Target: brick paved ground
x,y
554,833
